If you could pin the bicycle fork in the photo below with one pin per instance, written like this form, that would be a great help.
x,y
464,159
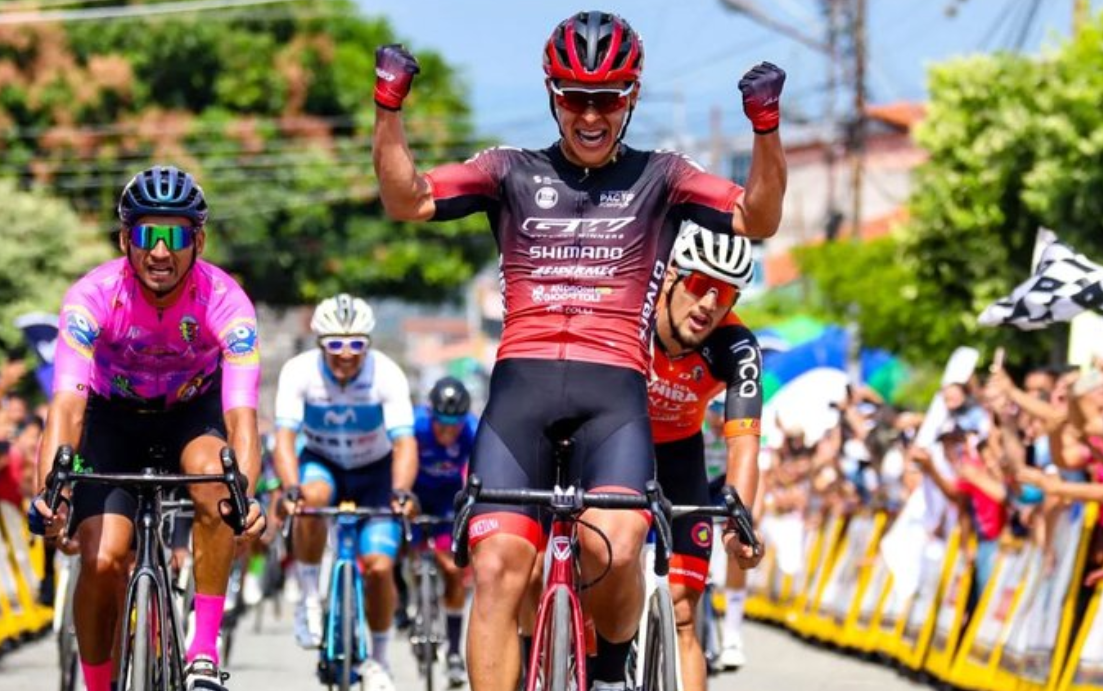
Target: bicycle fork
x,y
560,581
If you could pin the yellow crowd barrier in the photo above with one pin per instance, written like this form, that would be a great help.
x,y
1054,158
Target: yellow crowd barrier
x,y
1029,630
20,613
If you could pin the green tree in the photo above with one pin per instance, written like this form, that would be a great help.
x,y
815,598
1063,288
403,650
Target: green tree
x,y
44,247
272,110
1014,143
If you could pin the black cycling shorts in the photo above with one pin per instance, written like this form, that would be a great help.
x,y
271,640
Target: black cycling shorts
x,y
117,439
680,468
534,404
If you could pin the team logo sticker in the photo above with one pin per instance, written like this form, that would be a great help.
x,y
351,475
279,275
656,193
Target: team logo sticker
x,y
190,388
698,373
239,342
702,534
547,197
80,330
189,328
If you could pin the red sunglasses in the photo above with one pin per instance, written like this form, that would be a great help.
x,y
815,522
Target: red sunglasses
x,y
578,100
699,285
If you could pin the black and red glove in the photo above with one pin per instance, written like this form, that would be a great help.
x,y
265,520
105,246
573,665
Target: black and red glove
x,y
395,68
761,88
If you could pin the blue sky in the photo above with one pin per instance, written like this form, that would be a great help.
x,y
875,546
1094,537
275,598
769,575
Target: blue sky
x,y
698,49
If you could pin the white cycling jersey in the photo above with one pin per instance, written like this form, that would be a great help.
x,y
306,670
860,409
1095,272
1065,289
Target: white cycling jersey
x,y
351,426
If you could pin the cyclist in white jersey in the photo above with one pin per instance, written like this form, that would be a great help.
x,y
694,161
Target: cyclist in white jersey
x,y
352,404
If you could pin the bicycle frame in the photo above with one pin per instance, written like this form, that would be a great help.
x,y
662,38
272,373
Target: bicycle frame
x,y
333,655
347,534
560,575
151,563
566,505
425,633
151,560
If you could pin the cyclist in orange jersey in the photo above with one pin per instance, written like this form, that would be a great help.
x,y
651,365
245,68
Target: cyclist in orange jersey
x,y
700,349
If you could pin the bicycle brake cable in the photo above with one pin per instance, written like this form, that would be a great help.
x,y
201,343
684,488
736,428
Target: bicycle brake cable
x,y
608,551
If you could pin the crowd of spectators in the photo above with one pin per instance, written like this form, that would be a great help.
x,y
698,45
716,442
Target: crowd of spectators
x,y
1007,456
20,431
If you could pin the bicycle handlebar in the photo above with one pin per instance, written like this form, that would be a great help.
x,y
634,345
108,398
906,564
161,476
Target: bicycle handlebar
x,y
62,474
572,501
562,502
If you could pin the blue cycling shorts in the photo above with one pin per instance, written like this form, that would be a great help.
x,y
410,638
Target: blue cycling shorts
x,y
369,487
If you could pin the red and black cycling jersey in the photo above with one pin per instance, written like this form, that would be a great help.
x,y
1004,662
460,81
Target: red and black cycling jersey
x,y
681,387
582,251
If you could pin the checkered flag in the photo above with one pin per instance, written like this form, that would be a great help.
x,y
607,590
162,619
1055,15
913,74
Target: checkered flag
x,y
1064,284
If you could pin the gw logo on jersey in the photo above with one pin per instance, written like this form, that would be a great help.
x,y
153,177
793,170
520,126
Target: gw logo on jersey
x,y
577,226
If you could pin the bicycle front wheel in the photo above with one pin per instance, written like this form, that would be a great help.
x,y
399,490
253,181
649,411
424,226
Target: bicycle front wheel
x,y
660,671
559,643
424,625
143,663
348,618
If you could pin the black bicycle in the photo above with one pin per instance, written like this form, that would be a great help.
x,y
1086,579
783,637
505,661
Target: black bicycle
x,y
151,648
427,628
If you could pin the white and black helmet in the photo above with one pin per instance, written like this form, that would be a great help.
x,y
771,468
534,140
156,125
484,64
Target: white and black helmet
x,y
721,255
342,315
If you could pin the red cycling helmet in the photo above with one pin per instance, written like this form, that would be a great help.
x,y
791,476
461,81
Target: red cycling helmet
x,y
592,48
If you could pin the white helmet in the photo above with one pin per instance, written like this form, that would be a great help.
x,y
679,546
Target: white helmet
x,y
720,255
342,315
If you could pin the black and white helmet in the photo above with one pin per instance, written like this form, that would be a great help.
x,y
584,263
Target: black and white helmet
x,y
342,315
721,255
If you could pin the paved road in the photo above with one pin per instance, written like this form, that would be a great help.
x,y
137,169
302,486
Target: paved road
x,y
270,661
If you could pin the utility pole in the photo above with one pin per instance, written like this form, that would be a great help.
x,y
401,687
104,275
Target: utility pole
x,y
717,147
833,219
856,141
1080,11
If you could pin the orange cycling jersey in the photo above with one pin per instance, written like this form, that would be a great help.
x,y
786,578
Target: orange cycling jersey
x,y
681,386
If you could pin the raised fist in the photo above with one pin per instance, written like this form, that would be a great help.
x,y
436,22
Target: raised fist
x,y
761,88
395,68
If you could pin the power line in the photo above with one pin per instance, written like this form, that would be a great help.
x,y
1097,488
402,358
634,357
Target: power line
x,y
130,11
34,5
1028,23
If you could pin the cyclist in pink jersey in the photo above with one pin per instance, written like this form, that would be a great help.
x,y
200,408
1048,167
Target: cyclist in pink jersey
x,y
157,353
584,229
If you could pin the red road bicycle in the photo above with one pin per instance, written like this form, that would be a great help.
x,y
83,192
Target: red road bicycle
x,y
557,658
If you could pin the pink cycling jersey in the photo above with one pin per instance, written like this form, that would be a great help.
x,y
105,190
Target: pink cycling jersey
x,y
119,346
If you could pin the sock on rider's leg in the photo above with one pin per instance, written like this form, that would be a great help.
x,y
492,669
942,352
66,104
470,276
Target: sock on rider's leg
x,y
309,575
97,677
208,621
453,619
610,661
380,641
733,617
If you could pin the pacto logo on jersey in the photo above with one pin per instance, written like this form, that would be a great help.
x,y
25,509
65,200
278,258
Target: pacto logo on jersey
x,y
601,228
616,200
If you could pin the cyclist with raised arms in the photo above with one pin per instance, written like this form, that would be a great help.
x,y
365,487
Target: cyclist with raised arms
x,y
445,430
353,405
701,349
158,349
584,229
